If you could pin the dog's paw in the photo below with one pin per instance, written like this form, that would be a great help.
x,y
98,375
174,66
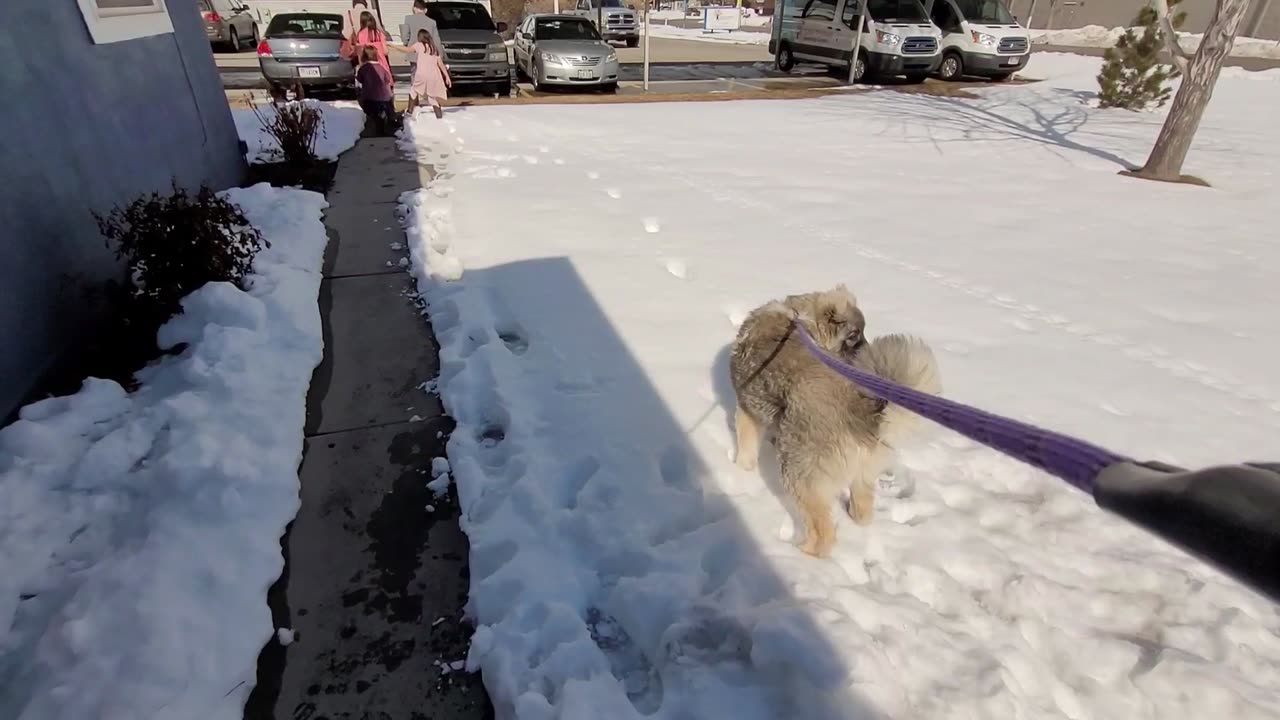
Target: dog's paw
x,y
817,547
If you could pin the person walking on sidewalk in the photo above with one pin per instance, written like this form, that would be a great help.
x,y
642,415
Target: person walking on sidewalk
x,y
430,75
377,93
370,36
420,20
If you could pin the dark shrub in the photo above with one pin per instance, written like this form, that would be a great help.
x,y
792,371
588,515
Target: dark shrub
x,y
175,243
296,126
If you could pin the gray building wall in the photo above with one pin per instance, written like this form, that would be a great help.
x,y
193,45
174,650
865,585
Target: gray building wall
x,y
1262,21
85,127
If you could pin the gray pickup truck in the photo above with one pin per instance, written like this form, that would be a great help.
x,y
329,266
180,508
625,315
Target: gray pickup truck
x,y
473,50
615,21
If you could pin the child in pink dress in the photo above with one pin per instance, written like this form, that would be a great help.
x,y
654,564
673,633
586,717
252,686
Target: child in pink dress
x,y
430,76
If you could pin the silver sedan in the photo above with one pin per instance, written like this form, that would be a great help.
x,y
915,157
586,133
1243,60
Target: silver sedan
x,y
564,51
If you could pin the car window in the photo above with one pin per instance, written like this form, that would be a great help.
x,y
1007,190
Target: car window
x,y
460,16
565,30
896,11
300,25
943,16
819,10
987,12
850,15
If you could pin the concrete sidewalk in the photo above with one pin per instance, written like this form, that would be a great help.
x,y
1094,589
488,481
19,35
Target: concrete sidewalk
x,y
374,583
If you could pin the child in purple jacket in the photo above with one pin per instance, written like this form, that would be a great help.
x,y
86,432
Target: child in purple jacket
x,y
376,90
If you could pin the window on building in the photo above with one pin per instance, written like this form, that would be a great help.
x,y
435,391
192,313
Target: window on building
x,y
119,20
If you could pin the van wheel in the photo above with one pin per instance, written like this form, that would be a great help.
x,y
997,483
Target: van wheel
x,y
952,67
785,60
233,41
860,70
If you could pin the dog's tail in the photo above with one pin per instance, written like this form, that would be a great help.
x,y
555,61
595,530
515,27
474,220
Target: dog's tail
x,y
906,360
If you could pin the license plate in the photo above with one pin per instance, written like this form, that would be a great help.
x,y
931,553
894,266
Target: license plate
x,y
309,72
586,74
1011,61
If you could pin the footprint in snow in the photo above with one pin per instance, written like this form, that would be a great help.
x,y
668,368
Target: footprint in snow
x,y
614,193
678,268
651,225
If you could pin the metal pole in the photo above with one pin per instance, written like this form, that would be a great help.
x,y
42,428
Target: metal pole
x,y
857,41
555,7
646,45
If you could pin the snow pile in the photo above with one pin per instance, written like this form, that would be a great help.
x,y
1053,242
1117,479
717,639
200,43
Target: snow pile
x,y
623,567
734,37
343,121
1101,37
139,532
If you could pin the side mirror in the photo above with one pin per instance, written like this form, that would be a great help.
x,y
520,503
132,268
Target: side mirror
x,y
502,27
526,35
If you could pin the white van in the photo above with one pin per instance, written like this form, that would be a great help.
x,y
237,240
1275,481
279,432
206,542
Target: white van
x,y
979,37
897,39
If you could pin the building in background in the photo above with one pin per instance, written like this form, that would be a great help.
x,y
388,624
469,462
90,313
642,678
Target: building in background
x,y
1261,22
105,100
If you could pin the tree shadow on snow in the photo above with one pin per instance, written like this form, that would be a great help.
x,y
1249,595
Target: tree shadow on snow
x,y
1001,117
598,531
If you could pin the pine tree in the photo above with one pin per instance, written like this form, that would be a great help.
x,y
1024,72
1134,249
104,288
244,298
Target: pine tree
x,y
1133,77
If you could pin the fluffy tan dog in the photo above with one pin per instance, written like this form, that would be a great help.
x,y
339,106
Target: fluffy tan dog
x,y
829,434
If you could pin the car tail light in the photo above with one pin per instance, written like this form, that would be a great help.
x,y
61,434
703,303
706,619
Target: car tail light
x,y
212,17
264,48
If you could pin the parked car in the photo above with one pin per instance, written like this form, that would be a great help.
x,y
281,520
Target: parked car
x,y
616,22
897,37
229,23
304,49
474,52
565,50
980,38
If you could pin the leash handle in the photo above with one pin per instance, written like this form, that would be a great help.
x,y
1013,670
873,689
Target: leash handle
x,y
1227,516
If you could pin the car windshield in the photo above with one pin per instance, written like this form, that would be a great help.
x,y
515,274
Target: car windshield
x,y
897,11
987,12
610,3
298,25
460,16
565,30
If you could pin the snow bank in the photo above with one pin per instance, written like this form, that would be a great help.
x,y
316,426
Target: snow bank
x,y
735,37
623,567
343,122
139,532
1101,37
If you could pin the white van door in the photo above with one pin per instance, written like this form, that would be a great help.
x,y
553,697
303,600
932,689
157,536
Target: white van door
x,y
819,32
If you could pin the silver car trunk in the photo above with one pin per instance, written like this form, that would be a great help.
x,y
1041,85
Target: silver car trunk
x,y
305,38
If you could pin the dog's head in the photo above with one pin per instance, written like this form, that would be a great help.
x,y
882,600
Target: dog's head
x,y
835,321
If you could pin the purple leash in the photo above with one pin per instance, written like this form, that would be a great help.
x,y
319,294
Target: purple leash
x,y
1068,458
1225,515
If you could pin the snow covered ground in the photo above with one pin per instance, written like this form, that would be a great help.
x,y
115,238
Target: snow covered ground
x,y
585,268
1098,36
139,532
736,37
343,121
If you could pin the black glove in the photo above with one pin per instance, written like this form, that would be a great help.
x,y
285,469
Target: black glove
x,y
1229,516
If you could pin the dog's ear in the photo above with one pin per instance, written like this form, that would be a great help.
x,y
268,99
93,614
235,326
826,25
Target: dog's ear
x,y
845,289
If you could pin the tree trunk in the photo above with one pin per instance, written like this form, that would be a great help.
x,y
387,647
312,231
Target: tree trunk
x,y
1165,162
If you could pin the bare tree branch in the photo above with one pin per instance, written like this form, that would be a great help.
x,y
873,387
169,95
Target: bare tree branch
x,y
1181,58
